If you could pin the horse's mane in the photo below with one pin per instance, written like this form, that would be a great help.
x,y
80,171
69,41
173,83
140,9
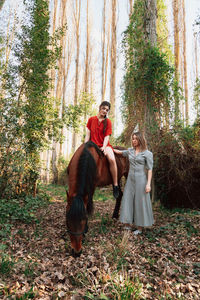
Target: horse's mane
x,y
86,180
85,183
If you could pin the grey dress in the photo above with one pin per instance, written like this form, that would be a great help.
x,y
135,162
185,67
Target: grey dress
x,y
136,203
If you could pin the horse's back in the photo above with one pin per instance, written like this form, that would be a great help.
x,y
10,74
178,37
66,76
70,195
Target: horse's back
x,y
103,176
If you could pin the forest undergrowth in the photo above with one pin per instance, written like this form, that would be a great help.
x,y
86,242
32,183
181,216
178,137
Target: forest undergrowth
x,y
161,263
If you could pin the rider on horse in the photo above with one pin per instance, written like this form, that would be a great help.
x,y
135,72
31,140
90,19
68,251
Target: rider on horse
x,y
99,128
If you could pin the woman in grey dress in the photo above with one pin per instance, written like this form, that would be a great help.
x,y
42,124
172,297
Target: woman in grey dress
x,y
136,203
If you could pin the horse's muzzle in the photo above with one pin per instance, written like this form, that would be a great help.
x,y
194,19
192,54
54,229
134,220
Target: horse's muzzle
x,y
76,254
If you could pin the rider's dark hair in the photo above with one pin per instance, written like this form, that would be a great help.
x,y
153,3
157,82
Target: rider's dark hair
x,y
105,103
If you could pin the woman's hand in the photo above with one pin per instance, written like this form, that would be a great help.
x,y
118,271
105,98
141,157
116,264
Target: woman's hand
x,y
148,188
103,149
117,151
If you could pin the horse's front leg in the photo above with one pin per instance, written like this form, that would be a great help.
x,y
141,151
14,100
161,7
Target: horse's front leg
x,y
117,205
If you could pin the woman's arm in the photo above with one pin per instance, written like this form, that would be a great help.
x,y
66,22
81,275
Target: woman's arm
x,y
148,185
117,151
87,136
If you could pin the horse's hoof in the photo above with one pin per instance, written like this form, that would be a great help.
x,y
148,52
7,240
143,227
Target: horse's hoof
x,y
115,216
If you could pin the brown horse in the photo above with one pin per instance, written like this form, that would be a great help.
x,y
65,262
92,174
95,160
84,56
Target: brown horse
x,y
88,168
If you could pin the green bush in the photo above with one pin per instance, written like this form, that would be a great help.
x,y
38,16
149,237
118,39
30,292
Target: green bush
x,y
21,209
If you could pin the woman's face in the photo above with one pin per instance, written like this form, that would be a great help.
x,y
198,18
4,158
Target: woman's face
x,y
135,141
103,111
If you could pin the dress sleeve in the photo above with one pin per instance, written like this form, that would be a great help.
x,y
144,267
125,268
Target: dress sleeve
x,y
125,153
89,123
149,160
108,128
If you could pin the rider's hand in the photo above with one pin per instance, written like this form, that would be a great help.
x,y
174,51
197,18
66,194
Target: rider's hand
x,y
103,149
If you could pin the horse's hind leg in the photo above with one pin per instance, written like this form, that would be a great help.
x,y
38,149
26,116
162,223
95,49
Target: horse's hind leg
x,y
117,205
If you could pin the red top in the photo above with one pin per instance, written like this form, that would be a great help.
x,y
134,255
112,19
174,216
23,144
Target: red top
x,y
96,130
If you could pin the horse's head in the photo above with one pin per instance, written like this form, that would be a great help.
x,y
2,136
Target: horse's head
x,y
76,219
81,182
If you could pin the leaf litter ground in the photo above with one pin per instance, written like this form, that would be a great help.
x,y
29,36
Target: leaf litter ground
x,y
161,263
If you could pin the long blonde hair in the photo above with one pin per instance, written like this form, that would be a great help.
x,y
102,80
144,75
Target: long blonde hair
x,y
141,139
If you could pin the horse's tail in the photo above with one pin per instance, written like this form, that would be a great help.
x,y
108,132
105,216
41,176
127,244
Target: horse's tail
x,y
87,172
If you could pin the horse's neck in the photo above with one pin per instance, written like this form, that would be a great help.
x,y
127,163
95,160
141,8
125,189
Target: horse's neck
x,y
73,171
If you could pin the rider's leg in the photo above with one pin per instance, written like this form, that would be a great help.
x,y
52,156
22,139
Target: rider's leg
x,y
113,170
112,163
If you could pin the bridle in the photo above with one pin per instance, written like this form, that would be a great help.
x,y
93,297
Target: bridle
x,y
77,233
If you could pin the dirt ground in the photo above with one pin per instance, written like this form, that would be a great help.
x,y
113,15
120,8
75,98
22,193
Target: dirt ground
x,y
161,263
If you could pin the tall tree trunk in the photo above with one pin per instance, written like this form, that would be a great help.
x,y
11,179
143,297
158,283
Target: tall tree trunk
x,y
77,12
181,67
176,50
103,49
68,49
106,62
151,36
185,65
105,52
151,15
87,54
196,56
59,80
48,153
113,59
47,174
86,77
53,73
130,8
196,93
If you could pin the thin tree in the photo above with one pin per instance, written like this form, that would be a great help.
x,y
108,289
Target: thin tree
x,y
86,76
53,73
87,57
176,50
151,37
130,8
103,48
47,155
196,55
68,50
185,65
150,17
164,46
196,92
105,51
77,14
59,80
113,58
